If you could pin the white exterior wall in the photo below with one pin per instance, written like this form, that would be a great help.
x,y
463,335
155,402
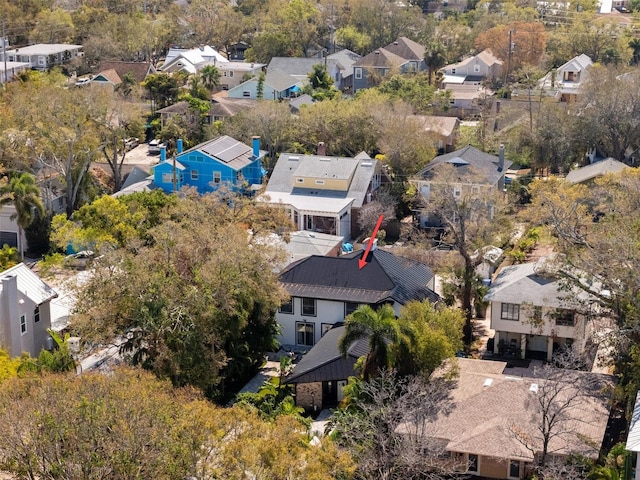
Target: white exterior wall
x,y
546,328
327,312
14,304
9,225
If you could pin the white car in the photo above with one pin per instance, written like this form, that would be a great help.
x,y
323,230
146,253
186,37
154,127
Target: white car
x,y
83,81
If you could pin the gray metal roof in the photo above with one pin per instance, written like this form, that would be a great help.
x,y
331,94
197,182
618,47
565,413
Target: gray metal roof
x,y
289,164
234,153
324,361
478,164
385,277
30,284
345,58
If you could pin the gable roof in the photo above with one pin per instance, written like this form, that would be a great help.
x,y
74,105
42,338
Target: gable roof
x,y
324,362
298,66
577,63
381,58
345,58
470,164
288,165
30,284
228,107
138,70
486,56
441,125
194,56
406,48
529,283
279,80
597,169
385,277
108,76
224,149
486,406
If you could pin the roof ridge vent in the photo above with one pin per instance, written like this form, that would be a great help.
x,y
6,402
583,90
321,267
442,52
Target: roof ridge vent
x,y
533,388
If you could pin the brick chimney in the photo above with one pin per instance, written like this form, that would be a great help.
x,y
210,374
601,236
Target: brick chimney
x,y
322,149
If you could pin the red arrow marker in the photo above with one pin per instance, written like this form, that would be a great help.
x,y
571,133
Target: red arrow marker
x,y
363,260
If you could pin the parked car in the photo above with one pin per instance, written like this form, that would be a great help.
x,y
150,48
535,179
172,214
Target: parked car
x,y
154,146
131,143
79,260
83,81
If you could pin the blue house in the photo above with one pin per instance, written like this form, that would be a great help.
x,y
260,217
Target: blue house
x,y
221,161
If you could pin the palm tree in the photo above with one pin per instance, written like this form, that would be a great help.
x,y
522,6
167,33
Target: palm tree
x,y
434,58
210,76
379,327
25,196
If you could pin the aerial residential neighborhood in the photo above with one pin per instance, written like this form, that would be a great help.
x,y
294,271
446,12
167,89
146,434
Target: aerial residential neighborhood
x,y
302,239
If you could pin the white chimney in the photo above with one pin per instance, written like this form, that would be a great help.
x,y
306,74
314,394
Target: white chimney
x,y
374,245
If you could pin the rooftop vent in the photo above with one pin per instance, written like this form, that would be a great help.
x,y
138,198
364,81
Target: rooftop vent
x,y
366,164
533,388
295,159
325,159
487,382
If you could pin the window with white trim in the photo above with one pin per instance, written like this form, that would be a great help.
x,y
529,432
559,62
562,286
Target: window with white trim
x,y
358,73
23,324
167,178
246,93
231,74
217,177
36,314
476,68
194,174
510,311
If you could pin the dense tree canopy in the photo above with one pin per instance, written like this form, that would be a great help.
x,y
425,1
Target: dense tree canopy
x,y
128,425
196,302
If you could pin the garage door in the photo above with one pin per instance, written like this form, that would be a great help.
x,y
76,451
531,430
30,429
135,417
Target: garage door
x,y
9,238
537,343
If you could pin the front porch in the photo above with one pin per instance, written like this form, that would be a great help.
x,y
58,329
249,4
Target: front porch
x,y
527,346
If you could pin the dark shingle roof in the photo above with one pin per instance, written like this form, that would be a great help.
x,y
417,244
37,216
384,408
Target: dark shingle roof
x,y
381,58
385,277
470,163
324,361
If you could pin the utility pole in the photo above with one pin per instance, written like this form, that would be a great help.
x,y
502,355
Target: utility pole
x,y
506,76
4,53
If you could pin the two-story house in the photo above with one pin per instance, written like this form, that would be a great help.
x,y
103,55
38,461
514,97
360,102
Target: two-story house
x,y
223,161
474,170
25,311
43,56
534,314
401,56
233,74
322,193
324,290
473,70
567,78
191,60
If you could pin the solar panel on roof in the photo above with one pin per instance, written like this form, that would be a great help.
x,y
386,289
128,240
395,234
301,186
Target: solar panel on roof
x,y
226,149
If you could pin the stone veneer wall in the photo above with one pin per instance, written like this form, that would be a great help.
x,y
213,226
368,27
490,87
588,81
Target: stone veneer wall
x,y
308,395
